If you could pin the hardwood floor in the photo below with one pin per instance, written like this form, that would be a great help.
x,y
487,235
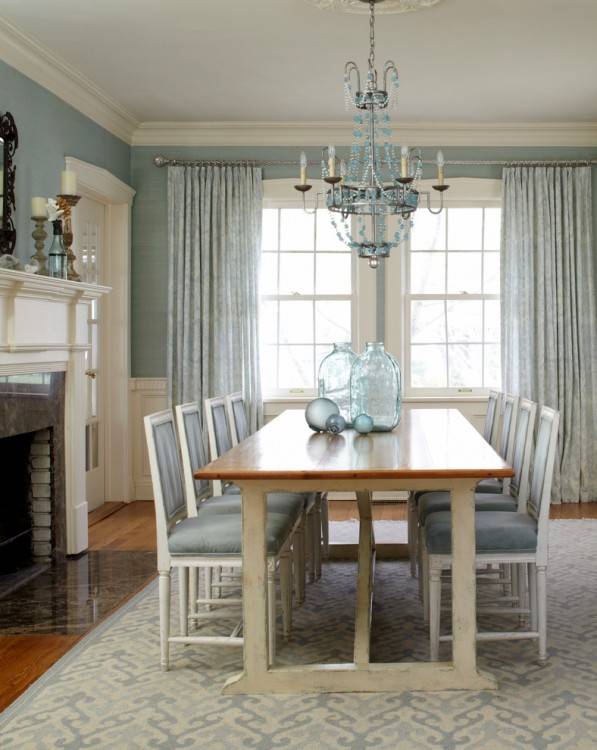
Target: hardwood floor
x,y
131,527
24,658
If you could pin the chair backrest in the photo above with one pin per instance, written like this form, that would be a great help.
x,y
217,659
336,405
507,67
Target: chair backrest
x,y
543,462
237,417
166,478
190,437
521,455
492,418
218,431
508,433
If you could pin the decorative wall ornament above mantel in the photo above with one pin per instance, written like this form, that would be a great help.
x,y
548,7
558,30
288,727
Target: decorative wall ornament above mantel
x,y
360,6
9,140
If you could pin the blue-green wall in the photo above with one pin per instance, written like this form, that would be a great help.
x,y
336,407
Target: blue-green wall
x,y
150,242
49,129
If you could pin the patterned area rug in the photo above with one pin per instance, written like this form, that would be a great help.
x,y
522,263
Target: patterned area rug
x,y
108,692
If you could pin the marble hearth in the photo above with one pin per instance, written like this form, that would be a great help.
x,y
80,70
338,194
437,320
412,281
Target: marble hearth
x,y
44,331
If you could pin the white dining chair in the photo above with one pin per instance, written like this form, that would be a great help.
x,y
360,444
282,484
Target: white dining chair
x,y
188,420
512,499
491,426
187,538
504,538
237,417
220,433
505,443
491,430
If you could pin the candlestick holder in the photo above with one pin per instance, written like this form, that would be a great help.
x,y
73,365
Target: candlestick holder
x,y
67,203
40,236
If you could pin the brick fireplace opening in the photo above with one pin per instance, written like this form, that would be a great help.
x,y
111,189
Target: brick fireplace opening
x,y
32,502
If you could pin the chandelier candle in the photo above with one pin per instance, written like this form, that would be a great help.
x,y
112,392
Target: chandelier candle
x,y
440,168
303,169
377,182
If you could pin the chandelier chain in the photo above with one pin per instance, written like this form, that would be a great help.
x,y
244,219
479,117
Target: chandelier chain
x,y
371,35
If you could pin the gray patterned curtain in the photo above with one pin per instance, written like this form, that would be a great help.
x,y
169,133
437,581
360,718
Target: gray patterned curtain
x,y
549,311
214,245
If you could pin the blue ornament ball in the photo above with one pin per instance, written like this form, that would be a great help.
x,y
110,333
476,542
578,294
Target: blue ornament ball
x,y
335,423
363,424
318,411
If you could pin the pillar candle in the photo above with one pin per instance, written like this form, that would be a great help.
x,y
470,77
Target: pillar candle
x,y
38,207
68,183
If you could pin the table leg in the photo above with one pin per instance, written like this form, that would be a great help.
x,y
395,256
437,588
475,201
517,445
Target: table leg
x,y
464,605
366,566
255,609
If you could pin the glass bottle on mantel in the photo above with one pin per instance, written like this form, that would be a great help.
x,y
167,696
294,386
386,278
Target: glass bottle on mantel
x,y
376,388
334,378
57,267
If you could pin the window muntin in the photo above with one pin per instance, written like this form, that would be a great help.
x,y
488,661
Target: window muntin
x,y
306,297
452,304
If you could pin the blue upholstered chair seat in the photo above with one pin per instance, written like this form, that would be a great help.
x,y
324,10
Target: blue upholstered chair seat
x,y
221,534
495,532
277,502
436,502
308,498
493,486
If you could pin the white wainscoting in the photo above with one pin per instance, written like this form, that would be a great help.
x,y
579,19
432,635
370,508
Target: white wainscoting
x,y
148,395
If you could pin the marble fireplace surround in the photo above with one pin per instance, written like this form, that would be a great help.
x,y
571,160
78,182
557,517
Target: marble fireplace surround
x,y
43,328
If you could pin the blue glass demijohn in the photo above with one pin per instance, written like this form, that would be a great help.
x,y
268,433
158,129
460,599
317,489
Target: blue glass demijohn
x,y
376,388
334,378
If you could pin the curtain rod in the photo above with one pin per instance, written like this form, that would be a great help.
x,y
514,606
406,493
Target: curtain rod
x,y
162,161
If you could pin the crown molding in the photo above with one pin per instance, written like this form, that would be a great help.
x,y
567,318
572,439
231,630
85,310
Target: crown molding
x,y
37,62
580,134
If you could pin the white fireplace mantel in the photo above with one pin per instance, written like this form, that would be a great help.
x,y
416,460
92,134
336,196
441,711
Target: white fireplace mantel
x,y
44,328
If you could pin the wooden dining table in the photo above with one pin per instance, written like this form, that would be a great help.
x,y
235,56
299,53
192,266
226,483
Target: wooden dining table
x,y
430,449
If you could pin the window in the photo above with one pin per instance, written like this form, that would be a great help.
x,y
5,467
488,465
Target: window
x,y
306,297
452,304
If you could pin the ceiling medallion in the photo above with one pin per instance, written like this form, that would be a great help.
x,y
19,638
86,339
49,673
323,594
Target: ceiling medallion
x,y
383,6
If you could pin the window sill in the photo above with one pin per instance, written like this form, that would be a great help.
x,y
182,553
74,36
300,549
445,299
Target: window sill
x,y
406,400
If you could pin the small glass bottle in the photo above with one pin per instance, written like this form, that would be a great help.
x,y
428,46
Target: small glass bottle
x,y
376,387
57,260
334,378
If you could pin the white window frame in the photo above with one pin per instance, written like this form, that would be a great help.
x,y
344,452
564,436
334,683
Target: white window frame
x,y
464,192
280,193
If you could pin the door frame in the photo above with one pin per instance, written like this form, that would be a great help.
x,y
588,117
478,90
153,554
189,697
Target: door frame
x,y
117,197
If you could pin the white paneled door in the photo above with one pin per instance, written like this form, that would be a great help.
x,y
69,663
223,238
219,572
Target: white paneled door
x,y
89,239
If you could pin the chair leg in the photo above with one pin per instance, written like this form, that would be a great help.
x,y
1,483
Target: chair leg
x,y
193,590
208,594
271,611
533,595
310,562
424,575
286,592
435,606
515,581
183,600
164,594
542,612
216,590
325,525
522,592
412,534
299,561
317,540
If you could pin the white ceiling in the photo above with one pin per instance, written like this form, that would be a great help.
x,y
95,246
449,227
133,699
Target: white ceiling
x,y
282,60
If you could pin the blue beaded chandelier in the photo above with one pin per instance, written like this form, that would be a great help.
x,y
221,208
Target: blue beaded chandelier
x,y
377,182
